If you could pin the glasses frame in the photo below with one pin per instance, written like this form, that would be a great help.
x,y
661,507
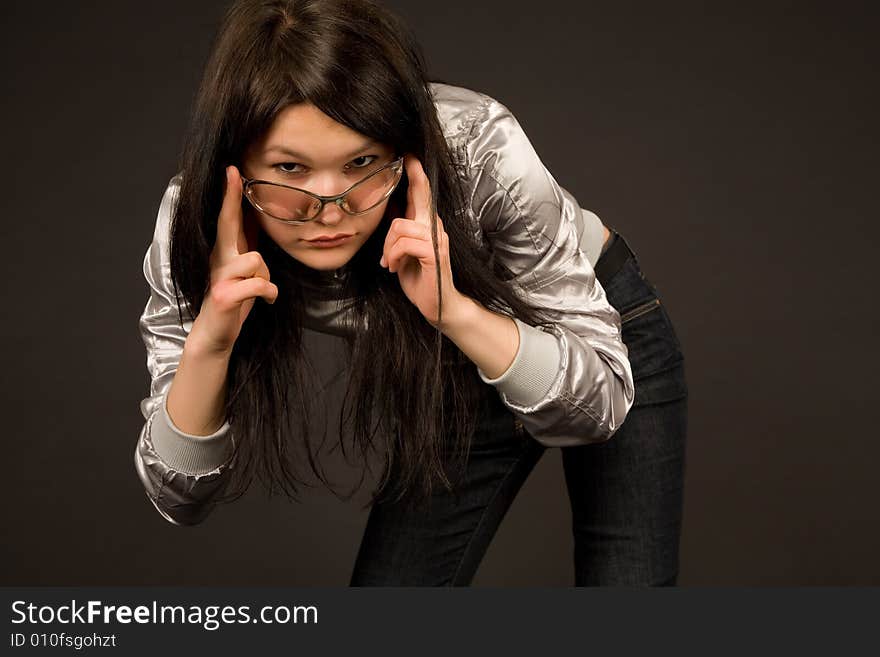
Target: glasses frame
x,y
338,199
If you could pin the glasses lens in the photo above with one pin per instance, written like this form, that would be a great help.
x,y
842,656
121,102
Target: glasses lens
x,y
284,203
372,191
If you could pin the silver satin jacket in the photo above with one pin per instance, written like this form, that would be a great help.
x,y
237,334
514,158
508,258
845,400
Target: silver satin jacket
x,y
568,386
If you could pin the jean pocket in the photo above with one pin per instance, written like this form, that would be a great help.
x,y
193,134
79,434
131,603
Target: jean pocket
x,y
639,309
660,387
649,338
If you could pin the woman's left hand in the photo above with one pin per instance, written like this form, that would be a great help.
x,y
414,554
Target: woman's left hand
x,y
409,251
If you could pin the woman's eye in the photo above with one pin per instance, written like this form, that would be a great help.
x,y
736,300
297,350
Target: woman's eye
x,y
291,165
357,163
364,164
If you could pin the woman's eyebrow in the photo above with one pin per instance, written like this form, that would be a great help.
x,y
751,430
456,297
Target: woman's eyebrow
x,y
280,148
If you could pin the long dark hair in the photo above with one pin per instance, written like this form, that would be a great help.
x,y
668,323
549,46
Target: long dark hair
x,y
408,383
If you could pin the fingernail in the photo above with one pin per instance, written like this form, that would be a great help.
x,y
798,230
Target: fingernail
x,y
382,261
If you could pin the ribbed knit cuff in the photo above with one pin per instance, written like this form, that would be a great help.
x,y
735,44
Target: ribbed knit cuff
x,y
186,452
533,370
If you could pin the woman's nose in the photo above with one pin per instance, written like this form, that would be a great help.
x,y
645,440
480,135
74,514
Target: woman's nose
x,y
330,185
331,214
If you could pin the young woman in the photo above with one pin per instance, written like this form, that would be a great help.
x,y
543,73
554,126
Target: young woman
x,y
325,183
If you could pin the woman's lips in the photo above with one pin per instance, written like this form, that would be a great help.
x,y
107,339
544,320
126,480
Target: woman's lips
x,y
326,244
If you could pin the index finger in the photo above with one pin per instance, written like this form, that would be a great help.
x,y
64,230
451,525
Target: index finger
x,y
231,240
418,192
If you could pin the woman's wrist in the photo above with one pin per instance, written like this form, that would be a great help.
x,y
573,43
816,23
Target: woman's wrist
x,y
200,348
489,339
195,401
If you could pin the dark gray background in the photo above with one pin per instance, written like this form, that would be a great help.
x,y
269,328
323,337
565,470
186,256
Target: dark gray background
x,y
733,144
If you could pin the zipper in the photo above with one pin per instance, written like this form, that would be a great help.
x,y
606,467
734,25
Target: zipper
x,y
639,310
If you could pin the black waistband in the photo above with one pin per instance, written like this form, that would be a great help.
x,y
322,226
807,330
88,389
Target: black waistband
x,y
612,260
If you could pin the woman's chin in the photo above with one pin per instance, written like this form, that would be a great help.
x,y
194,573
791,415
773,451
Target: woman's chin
x,y
324,260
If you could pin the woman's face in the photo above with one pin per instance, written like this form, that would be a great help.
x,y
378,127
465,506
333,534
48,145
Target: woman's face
x,y
305,148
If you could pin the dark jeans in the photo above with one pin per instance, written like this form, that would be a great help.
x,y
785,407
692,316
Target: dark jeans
x,y
626,493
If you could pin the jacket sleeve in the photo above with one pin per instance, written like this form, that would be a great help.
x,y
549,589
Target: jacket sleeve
x,y
573,384
181,473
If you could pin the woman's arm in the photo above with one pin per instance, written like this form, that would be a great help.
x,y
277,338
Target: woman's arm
x,y
181,472
572,384
490,340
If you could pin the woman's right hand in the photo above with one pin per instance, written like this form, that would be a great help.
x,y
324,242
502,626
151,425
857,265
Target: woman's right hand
x,y
238,276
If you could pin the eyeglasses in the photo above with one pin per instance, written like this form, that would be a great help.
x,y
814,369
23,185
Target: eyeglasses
x,y
296,206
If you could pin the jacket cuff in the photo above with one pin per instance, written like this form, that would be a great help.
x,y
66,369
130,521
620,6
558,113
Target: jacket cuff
x,y
533,370
188,453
